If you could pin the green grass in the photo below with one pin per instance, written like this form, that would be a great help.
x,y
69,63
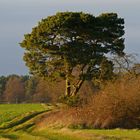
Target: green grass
x,y
117,134
17,122
10,111
93,134
58,134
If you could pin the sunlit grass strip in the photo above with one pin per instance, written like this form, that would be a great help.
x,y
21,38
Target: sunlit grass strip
x,y
10,111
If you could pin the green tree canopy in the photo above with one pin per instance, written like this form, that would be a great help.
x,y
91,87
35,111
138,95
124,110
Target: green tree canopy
x,y
74,45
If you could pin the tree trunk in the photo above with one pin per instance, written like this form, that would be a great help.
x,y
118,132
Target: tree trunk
x,y
77,88
68,87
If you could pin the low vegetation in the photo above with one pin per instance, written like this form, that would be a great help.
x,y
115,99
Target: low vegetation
x,y
118,104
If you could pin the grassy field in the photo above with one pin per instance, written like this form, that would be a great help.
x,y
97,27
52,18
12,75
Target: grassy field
x,y
18,122
10,111
67,134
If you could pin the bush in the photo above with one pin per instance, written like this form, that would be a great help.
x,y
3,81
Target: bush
x,y
72,101
117,105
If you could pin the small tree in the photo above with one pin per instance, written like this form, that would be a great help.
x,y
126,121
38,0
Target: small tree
x,y
30,88
41,92
14,90
74,46
3,81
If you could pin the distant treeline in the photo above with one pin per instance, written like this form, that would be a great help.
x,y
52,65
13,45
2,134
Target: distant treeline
x,y
19,89
29,89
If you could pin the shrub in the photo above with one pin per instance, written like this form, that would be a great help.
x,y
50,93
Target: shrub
x,y
71,101
118,104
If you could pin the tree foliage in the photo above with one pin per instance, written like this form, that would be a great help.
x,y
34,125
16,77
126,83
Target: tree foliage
x,y
14,90
74,45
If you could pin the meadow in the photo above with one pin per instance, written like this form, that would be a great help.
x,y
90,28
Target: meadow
x,y
19,122
10,111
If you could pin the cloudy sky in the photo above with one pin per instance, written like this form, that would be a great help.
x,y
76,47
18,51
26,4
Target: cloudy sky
x,y
17,17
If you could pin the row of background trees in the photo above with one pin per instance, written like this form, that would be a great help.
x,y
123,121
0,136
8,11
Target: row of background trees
x,y
29,89
17,89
